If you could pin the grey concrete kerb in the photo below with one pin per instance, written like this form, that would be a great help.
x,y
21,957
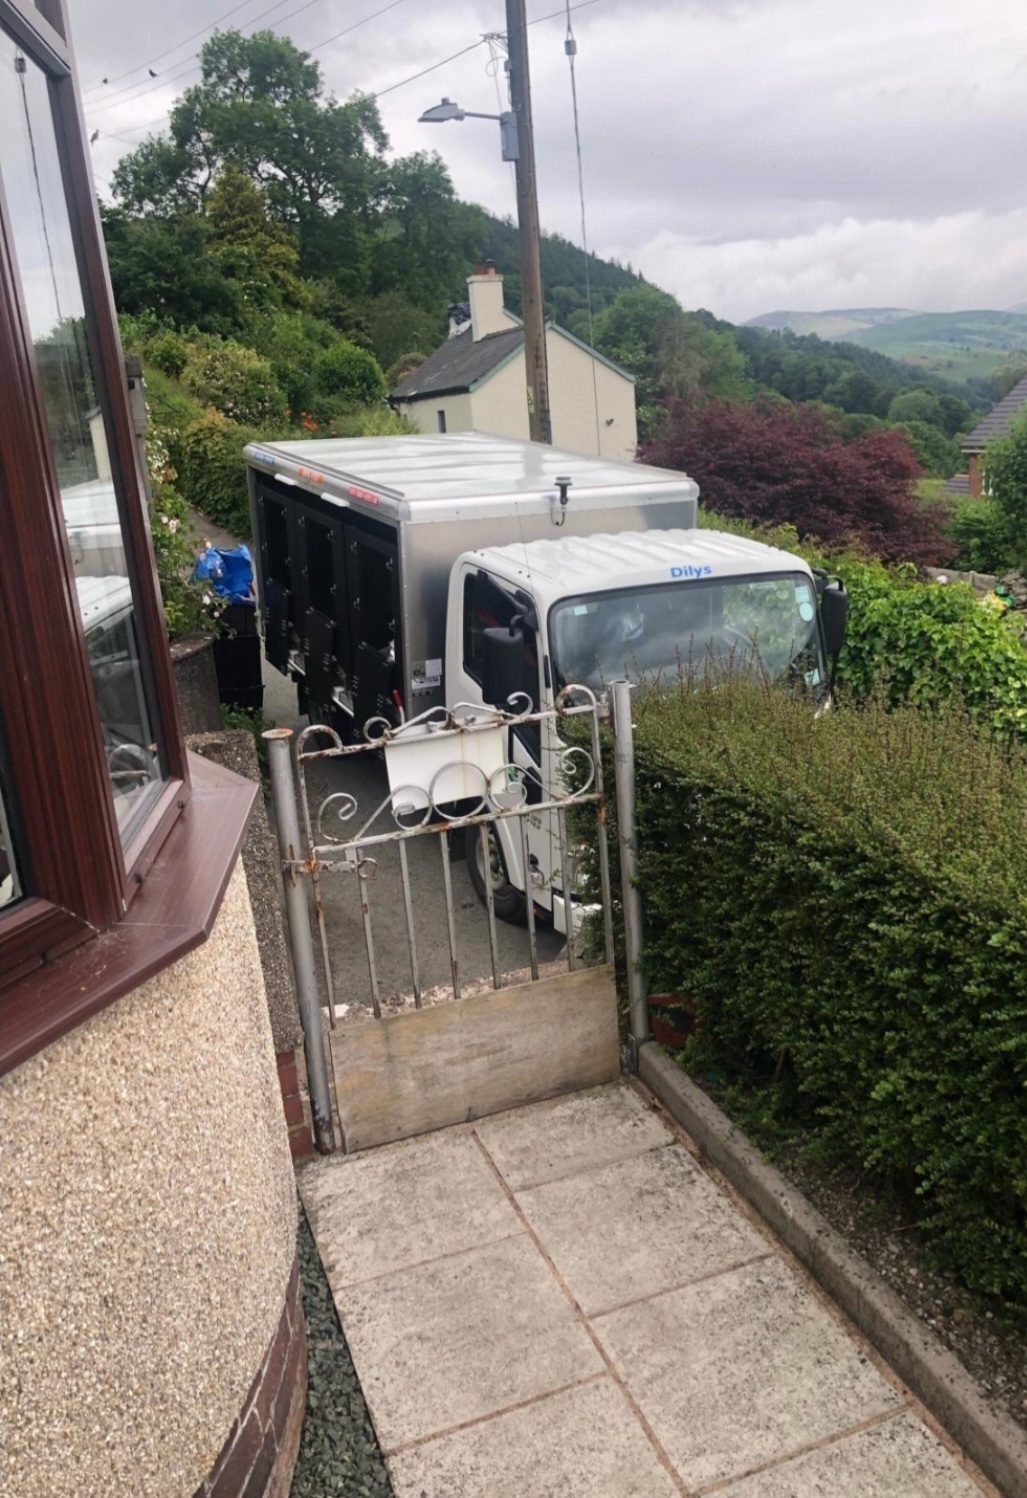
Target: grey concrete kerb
x,y
935,1375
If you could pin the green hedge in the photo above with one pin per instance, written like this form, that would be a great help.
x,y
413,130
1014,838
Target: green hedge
x,y
918,642
846,899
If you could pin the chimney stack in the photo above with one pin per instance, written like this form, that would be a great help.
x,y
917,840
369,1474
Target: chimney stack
x,y
485,291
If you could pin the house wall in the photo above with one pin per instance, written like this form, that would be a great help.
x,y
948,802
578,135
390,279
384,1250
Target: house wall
x,y
573,401
976,476
499,404
425,414
149,1219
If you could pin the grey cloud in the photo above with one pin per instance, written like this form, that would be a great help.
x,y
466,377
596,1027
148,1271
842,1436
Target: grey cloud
x,y
706,126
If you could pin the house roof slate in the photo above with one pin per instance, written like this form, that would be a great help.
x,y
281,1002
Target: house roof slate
x,y
458,364
996,423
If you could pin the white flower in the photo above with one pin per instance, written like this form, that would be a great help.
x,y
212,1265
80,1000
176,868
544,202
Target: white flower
x,y
172,526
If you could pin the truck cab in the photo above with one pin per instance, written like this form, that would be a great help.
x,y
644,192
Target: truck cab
x,y
587,611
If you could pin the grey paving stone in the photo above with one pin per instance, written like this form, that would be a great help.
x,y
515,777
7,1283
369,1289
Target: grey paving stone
x,y
899,1459
637,1227
583,1443
559,1138
741,1369
393,1207
460,1338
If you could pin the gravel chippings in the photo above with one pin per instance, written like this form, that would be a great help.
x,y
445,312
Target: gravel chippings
x,y
993,1351
339,1455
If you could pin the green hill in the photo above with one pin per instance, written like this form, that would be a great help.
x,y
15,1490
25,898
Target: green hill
x,y
956,345
834,323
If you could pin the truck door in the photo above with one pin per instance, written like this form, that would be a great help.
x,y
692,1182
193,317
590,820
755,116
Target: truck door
x,y
325,603
276,539
488,605
372,571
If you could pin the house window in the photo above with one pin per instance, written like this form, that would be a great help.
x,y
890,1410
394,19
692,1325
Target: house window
x,y
442,421
40,235
94,784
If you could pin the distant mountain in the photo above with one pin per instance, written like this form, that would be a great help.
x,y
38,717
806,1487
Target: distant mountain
x,y
956,345
835,323
1020,307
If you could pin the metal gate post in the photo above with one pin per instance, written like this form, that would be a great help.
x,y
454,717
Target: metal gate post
x,y
627,839
283,798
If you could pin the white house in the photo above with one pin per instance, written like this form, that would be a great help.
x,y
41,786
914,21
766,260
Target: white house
x,y
477,382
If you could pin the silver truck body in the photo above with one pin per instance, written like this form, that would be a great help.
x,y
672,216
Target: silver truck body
x,y
395,513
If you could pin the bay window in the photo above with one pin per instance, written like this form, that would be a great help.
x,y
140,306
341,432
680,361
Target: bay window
x,y
94,777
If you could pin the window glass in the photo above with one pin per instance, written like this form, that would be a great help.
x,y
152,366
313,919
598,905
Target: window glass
x,y
766,624
486,606
30,170
10,879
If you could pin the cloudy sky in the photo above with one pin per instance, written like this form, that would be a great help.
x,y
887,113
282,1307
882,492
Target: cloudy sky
x,y
747,155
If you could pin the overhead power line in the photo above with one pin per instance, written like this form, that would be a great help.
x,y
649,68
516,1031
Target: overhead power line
x,y
168,50
402,82
135,91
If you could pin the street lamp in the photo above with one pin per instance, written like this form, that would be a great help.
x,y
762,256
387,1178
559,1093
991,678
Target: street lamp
x,y
439,114
517,137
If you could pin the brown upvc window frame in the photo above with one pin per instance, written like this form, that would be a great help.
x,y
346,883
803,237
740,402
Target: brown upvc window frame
x,y
80,880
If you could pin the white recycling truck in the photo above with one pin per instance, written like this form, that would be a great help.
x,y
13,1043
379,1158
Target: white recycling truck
x,y
397,574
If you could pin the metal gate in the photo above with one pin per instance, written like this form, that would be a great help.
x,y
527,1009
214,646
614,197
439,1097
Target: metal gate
x,y
449,771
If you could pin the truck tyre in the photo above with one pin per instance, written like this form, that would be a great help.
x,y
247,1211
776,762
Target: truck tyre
x,y
509,902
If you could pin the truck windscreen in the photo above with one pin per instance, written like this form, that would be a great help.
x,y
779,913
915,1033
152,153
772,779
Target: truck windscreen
x,y
765,623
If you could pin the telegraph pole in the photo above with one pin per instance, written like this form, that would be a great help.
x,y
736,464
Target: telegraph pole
x,y
540,426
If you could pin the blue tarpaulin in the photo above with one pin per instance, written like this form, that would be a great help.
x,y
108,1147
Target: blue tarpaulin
x,y
228,573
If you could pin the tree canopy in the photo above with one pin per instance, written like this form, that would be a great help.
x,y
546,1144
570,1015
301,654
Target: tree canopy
x,y
780,462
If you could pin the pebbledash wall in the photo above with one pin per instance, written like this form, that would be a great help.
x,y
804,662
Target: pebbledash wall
x,y
150,1320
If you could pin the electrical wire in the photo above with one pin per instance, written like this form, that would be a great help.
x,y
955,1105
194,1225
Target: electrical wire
x,y
571,48
190,64
135,91
356,24
168,50
495,42
413,77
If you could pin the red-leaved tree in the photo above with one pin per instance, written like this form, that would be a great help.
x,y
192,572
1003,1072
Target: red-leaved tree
x,y
776,461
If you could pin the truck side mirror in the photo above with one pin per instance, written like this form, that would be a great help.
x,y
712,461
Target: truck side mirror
x,y
502,669
834,612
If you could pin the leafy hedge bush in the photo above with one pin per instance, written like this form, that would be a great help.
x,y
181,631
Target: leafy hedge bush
x,y
351,372
845,898
208,458
917,642
235,380
983,535
174,543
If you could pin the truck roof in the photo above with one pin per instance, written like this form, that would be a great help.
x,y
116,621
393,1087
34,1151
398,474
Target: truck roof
x,y
431,477
602,563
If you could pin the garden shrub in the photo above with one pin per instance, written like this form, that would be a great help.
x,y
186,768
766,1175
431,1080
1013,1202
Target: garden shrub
x,y
845,900
168,351
911,641
983,535
174,543
235,380
351,372
211,472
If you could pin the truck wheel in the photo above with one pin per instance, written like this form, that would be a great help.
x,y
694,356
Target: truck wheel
x,y
509,902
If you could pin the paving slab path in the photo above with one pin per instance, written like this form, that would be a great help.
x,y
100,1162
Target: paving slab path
x,y
562,1302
